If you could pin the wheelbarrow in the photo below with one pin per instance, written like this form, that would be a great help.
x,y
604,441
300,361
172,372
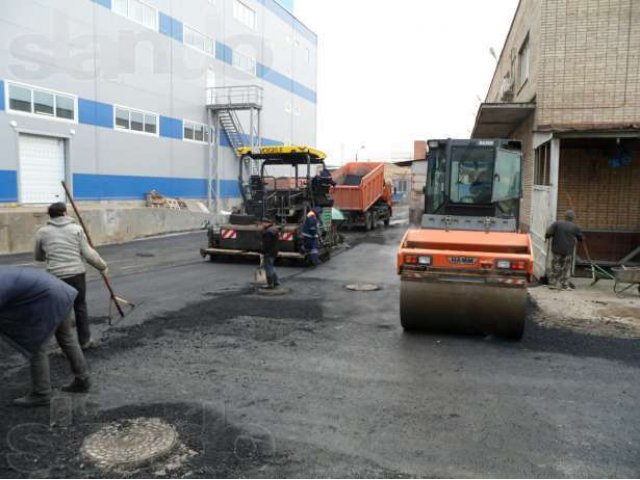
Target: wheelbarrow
x,y
625,278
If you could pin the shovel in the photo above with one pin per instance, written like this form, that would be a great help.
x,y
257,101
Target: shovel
x,y
260,275
115,299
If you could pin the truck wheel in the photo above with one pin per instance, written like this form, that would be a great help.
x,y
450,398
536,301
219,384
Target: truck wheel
x,y
368,222
387,217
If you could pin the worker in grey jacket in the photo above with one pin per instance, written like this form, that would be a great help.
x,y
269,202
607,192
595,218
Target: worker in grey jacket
x,y
64,246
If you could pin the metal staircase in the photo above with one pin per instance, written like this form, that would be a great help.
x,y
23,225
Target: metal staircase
x,y
224,106
232,128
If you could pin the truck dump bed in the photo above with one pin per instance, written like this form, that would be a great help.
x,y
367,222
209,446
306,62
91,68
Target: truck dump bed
x,y
358,185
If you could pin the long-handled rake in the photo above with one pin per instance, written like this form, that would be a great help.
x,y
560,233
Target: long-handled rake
x,y
116,300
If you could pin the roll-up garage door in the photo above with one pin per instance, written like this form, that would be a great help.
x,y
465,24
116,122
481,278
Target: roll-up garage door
x,y
42,168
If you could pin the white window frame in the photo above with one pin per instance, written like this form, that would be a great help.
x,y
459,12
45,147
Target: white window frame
x,y
238,55
207,141
240,11
32,113
144,123
205,37
129,15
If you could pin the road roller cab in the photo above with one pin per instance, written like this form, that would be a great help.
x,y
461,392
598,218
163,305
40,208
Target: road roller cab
x,y
467,267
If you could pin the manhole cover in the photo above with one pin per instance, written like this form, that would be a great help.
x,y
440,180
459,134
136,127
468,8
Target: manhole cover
x,y
130,443
272,292
363,287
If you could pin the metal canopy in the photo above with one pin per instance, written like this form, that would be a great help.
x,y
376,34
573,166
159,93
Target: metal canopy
x,y
499,120
284,154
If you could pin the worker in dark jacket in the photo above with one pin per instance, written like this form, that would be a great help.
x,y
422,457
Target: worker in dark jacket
x,y
321,186
310,235
34,305
564,234
270,239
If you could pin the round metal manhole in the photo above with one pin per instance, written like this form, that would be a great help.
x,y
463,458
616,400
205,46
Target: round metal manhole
x,y
363,287
130,443
272,292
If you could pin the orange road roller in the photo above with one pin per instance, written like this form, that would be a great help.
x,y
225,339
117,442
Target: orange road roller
x,y
467,267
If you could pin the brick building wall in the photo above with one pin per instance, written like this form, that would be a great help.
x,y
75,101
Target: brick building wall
x,y
526,22
605,199
584,65
524,134
589,64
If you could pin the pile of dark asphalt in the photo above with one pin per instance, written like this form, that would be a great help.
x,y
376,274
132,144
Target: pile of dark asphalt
x,y
45,442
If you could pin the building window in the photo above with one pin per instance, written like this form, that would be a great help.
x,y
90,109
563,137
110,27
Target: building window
x,y
196,132
137,11
244,62
197,40
20,99
136,121
523,62
23,98
542,168
244,14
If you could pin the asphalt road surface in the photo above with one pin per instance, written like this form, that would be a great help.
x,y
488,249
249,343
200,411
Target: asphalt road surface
x,y
322,381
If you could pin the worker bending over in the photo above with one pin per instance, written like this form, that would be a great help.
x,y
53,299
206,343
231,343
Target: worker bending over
x,y
34,306
64,246
564,234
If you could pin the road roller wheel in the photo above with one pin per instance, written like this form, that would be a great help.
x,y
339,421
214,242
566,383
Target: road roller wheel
x,y
511,329
461,308
407,325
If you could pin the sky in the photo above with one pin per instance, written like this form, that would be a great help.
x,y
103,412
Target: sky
x,y
394,71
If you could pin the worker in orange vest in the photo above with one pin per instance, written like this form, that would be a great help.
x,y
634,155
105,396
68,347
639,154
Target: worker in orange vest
x,y
310,236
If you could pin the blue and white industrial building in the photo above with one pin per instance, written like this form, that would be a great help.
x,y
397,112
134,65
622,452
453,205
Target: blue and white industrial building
x,y
120,97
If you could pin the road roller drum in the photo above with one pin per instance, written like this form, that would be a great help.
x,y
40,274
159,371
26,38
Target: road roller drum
x,y
462,307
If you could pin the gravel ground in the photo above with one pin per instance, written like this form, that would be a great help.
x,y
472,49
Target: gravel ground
x,y
322,382
593,310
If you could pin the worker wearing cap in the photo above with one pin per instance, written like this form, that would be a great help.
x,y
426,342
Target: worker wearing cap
x,y
564,234
63,244
34,306
310,236
270,240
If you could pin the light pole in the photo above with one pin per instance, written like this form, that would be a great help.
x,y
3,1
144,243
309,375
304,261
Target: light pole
x,y
362,147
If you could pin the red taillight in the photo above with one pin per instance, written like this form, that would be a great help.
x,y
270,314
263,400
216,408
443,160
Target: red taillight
x,y
412,259
519,265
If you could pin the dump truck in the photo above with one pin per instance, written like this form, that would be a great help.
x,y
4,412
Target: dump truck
x,y
468,266
283,192
362,194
